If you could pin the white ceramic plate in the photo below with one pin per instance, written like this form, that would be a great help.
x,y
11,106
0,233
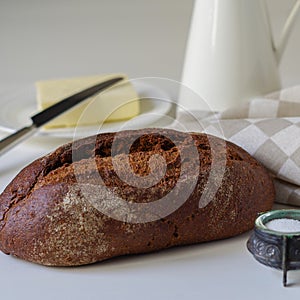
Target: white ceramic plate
x,y
17,104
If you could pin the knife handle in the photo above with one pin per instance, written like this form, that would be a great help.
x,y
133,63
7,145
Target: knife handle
x,y
14,139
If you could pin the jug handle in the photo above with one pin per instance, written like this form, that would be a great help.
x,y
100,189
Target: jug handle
x,y
286,31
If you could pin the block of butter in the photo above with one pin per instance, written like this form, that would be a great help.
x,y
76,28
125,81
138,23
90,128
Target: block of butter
x,y
120,102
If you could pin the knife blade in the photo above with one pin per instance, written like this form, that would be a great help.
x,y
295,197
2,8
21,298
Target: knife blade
x,y
52,112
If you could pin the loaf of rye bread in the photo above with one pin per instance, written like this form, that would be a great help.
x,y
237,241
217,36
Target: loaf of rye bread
x,y
55,213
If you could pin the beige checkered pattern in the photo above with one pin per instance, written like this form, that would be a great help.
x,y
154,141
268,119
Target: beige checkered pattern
x,y
268,128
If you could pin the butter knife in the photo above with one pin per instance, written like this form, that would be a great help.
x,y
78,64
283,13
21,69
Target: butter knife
x,y
52,112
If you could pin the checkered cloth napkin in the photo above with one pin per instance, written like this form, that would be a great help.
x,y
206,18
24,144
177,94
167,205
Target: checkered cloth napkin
x,y
268,128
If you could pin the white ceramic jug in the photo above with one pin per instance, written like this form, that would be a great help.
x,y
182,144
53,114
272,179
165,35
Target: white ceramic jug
x,y
231,56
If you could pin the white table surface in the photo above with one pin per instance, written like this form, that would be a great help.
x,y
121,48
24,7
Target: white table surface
x,y
52,39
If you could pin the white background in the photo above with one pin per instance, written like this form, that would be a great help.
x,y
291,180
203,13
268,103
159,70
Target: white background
x,y
60,38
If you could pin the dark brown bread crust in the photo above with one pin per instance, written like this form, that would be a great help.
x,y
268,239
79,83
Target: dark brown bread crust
x,y
44,217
